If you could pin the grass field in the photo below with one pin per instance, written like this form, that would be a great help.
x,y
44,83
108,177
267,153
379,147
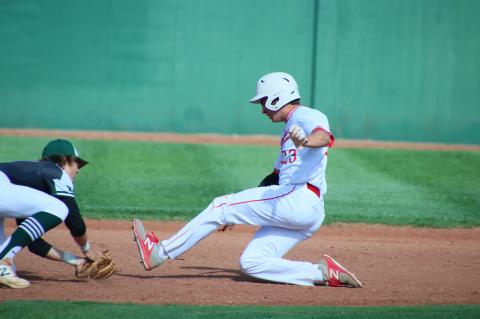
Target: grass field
x,y
176,181
168,181
81,310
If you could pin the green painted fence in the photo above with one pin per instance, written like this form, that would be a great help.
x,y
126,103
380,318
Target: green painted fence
x,y
380,69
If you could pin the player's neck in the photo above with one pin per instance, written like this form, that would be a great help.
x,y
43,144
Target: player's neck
x,y
286,110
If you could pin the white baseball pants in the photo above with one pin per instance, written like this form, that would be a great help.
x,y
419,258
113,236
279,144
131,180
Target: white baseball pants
x,y
288,215
21,202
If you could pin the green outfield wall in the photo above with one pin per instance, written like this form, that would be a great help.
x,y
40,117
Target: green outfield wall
x,y
380,69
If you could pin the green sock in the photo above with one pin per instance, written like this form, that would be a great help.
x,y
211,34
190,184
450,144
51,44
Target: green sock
x,y
28,231
14,243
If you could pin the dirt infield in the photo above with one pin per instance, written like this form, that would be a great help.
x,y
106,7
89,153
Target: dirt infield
x,y
399,265
223,139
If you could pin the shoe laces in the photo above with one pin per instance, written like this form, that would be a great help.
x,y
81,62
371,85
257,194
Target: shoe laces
x,y
153,237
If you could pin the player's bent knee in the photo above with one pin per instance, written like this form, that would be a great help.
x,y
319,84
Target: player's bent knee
x,y
58,208
249,263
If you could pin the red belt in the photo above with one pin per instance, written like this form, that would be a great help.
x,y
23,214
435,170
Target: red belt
x,y
313,189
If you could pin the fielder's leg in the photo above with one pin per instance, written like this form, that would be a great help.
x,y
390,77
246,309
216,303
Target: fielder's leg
x,y
43,212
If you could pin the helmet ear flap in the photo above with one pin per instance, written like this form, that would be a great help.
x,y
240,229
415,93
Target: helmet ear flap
x,y
272,103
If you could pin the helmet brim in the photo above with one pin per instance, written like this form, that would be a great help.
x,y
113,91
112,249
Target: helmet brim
x,y
257,98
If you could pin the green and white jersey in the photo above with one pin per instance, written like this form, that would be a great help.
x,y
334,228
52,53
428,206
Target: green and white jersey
x,y
50,178
62,186
44,176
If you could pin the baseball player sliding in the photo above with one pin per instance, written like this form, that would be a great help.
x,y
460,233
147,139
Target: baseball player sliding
x,y
287,205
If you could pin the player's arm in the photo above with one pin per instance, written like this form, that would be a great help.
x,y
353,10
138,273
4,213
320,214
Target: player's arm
x,y
57,254
318,138
76,225
62,189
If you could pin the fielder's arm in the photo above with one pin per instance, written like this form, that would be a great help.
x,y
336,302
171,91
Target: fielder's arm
x,y
77,226
64,256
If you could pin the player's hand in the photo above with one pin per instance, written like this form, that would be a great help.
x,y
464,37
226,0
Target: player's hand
x,y
78,263
75,260
92,254
298,136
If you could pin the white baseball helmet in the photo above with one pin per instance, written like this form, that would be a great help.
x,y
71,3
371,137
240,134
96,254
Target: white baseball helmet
x,y
279,88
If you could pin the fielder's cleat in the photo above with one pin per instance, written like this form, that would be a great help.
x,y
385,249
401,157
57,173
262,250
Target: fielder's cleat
x,y
148,246
337,275
10,279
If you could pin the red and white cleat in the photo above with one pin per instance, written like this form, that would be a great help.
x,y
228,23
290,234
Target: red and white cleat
x,y
337,275
148,246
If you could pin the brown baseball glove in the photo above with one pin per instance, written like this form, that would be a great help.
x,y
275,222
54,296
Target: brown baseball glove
x,y
101,268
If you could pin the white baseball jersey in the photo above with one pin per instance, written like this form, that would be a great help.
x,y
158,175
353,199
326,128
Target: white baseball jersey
x,y
305,165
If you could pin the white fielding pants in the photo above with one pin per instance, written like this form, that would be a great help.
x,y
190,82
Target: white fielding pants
x,y
21,202
288,215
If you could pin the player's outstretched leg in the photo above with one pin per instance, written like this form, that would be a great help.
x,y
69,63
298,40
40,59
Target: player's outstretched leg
x,y
336,275
28,231
8,276
148,246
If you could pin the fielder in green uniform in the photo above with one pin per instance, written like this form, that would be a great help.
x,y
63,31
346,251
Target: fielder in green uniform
x,y
40,196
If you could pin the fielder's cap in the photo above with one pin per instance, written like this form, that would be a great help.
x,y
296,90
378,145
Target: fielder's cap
x,y
63,147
